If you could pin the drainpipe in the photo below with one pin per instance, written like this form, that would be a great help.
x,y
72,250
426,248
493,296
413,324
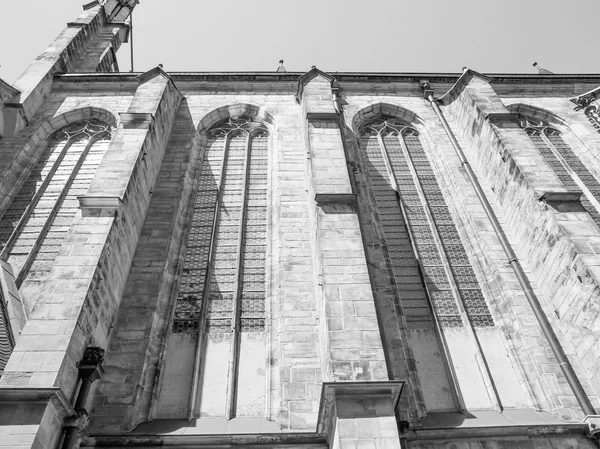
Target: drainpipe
x,y
557,350
90,370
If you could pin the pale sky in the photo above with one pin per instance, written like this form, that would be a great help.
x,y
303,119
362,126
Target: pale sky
x,y
335,35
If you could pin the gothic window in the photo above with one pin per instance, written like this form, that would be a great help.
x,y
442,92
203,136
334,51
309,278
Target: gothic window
x,y
406,192
39,217
222,285
567,166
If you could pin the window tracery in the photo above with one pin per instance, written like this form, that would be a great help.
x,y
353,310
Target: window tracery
x,y
397,158
35,223
229,224
566,165
222,284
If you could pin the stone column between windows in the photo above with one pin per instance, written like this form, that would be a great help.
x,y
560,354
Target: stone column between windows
x,y
352,350
555,229
360,414
75,307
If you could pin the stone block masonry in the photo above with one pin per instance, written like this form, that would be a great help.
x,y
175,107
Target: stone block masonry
x,y
342,258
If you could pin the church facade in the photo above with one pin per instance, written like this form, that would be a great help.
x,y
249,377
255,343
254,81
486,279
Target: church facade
x,y
295,260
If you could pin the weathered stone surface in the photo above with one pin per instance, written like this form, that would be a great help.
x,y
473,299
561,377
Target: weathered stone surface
x,y
346,295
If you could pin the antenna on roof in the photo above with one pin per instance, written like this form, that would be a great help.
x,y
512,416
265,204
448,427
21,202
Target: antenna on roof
x,y
541,70
281,68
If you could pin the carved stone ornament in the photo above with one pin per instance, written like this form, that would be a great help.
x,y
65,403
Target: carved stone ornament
x,y
385,126
593,114
238,125
92,356
585,100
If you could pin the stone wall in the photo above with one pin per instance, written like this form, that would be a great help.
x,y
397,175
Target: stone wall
x,y
337,311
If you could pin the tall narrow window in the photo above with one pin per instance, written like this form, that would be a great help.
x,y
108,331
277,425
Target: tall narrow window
x,y
438,292
35,224
397,160
220,309
568,167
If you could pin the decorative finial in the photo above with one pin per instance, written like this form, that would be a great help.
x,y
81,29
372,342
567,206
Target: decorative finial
x,y
541,70
281,68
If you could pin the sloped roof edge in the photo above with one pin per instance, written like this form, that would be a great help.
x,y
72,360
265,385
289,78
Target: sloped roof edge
x,y
7,91
153,73
306,77
460,84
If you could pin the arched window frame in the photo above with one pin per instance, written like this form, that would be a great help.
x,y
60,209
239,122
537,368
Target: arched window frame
x,y
453,293
92,130
191,310
379,126
89,125
551,136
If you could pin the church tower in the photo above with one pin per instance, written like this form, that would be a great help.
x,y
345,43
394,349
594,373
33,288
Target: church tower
x,y
295,260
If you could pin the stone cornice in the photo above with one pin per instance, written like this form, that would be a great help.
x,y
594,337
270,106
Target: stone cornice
x,y
350,83
258,441
351,77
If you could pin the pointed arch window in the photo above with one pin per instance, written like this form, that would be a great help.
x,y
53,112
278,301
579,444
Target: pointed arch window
x,y
39,217
568,167
221,298
36,222
396,158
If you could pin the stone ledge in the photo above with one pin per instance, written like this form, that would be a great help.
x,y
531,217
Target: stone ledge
x,y
271,441
593,423
335,198
322,116
136,120
36,396
386,393
562,201
504,119
532,431
99,206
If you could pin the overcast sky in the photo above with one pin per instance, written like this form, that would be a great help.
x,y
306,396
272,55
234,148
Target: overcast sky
x,y
335,35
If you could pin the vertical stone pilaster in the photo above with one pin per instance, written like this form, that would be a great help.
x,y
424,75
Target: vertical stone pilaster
x,y
349,327
360,414
76,305
139,129
546,226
